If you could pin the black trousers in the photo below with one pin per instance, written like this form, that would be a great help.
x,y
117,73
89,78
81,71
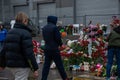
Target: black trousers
x,y
53,55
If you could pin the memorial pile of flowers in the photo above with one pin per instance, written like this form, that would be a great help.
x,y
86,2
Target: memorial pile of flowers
x,y
88,50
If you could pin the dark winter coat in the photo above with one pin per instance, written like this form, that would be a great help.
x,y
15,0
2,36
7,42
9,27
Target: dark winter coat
x,y
51,34
114,38
19,48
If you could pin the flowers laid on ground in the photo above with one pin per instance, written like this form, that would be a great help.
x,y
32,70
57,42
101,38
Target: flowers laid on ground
x,y
87,53
90,48
36,46
37,51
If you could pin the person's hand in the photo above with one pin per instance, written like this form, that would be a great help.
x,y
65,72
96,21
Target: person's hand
x,y
35,74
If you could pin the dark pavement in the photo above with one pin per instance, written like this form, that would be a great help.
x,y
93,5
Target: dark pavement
x,y
53,75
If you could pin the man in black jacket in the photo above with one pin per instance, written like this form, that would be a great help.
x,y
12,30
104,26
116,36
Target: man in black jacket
x,y
52,38
19,49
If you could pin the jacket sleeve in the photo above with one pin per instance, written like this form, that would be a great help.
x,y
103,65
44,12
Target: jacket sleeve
x,y
27,46
58,36
108,37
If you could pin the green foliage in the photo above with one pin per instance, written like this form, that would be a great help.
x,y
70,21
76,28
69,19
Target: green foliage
x,y
76,60
76,47
98,60
104,28
66,64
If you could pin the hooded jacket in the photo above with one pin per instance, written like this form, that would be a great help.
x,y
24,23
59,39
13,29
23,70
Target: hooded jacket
x,y
19,48
51,34
114,38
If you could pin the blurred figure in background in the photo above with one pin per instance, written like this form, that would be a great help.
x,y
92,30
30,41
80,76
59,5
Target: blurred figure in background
x,y
115,22
3,33
113,49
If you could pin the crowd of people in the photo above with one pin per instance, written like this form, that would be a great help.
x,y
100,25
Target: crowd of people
x,y
16,48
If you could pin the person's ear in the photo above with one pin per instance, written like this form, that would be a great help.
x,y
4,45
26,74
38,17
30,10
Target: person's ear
x,y
25,21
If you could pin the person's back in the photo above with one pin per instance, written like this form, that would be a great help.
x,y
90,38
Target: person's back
x,y
52,38
19,49
51,35
114,37
15,54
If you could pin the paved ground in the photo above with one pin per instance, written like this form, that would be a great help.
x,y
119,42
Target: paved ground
x,y
53,75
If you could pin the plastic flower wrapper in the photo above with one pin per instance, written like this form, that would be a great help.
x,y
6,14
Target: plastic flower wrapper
x,y
42,44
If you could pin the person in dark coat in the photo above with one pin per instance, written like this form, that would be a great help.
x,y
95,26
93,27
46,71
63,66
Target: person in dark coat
x,y
19,49
113,49
52,38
